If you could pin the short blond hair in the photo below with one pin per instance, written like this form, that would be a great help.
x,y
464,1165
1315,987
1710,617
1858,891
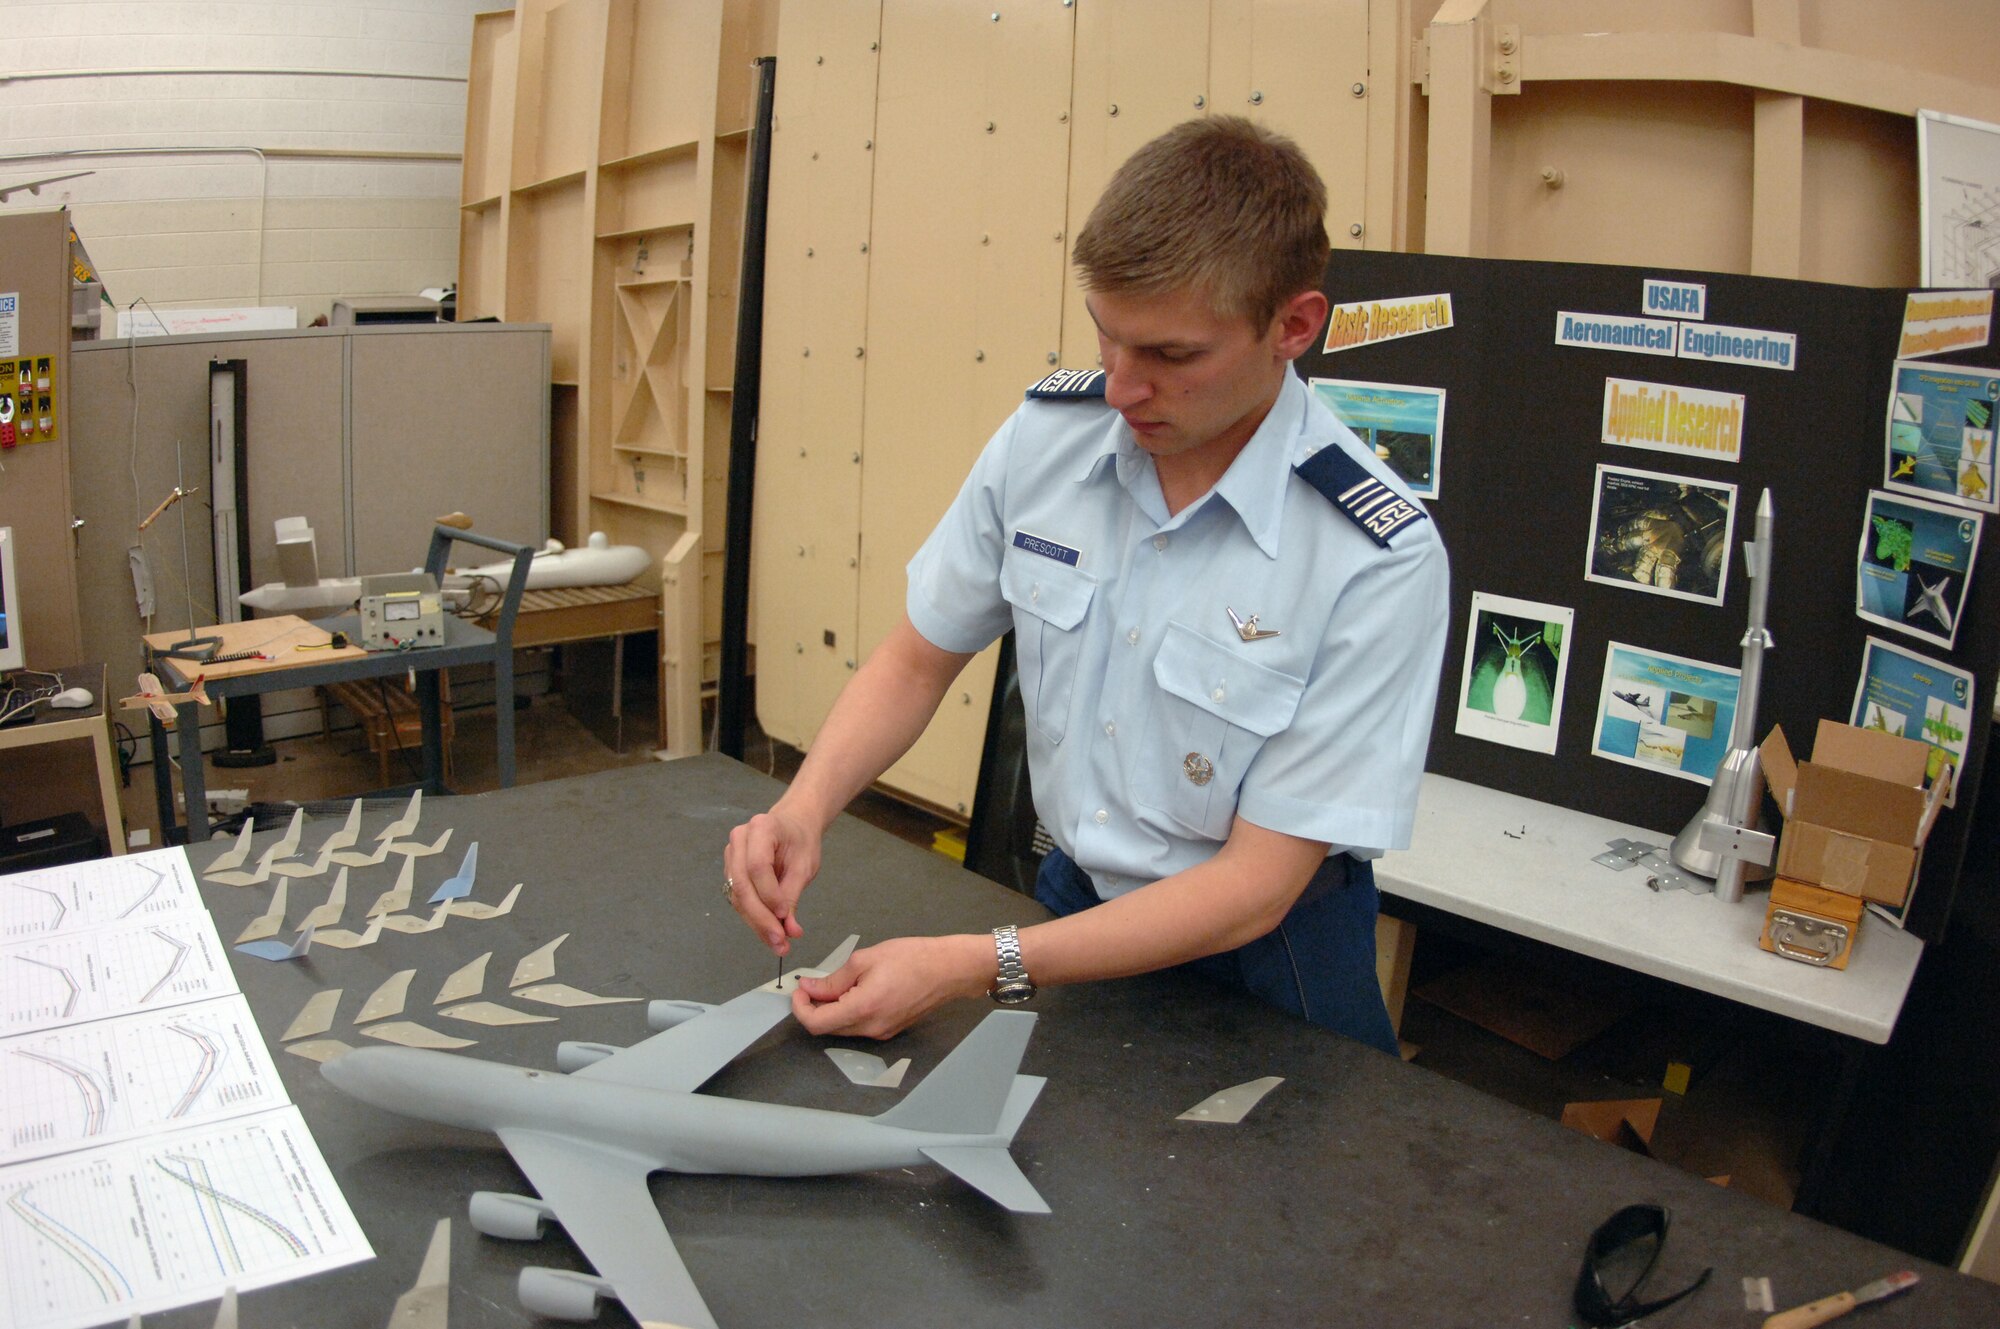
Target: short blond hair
x,y
1219,206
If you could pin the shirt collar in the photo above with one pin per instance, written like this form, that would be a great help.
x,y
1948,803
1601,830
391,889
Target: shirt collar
x,y
1254,486
1256,482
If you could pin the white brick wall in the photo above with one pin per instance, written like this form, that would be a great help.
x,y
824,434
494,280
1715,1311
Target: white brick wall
x,y
231,228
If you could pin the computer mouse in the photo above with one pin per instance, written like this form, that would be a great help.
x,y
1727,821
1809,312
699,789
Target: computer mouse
x,y
72,699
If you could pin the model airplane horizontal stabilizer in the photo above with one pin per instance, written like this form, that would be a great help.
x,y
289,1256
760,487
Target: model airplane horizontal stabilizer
x,y
587,1141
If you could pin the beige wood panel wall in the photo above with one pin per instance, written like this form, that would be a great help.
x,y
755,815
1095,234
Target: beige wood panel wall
x,y
965,297
817,251
1772,137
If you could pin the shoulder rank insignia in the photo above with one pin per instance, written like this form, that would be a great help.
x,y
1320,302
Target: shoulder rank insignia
x,y
1377,509
1069,385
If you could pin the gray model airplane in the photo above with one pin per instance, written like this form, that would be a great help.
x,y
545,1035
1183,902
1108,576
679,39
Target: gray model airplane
x,y
588,1139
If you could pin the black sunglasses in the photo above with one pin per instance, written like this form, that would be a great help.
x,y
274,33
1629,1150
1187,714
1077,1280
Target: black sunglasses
x,y
1621,1255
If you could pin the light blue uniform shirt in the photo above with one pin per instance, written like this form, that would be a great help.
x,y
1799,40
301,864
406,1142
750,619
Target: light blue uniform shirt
x,y
1152,723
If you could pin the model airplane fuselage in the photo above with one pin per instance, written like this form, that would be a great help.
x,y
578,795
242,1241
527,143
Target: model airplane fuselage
x,y
674,1132
589,1135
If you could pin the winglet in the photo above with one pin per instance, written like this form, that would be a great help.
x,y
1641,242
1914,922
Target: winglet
x,y
278,950
790,978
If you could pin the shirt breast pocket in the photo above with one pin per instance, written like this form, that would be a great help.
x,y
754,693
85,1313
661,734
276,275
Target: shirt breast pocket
x,y
1208,720
1049,600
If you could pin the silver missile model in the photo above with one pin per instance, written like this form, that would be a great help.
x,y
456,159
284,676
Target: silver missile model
x,y
1723,841
588,1139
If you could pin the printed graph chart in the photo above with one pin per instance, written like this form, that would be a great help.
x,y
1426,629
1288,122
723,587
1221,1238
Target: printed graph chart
x,y
50,901
126,1229
64,979
118,1078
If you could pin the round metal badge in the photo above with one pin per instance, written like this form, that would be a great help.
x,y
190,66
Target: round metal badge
x,y
1200,770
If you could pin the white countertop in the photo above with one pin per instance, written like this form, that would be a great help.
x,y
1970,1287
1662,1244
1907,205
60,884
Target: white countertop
x,y
1464,860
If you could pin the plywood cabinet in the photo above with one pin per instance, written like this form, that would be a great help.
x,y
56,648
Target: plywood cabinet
x,y
604,171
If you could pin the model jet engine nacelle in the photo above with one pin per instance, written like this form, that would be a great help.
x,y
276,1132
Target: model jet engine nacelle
x,y
561,1294
514,1217
667,1014
572,1056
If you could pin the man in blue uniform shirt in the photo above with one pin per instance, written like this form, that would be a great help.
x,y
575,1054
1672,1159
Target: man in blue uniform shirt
x,y
1229,621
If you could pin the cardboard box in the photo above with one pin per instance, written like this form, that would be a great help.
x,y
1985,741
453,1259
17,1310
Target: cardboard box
x,y
1811,924
1855,815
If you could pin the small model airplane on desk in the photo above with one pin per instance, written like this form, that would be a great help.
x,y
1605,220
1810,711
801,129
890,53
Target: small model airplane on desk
x,y
166,704
588,1140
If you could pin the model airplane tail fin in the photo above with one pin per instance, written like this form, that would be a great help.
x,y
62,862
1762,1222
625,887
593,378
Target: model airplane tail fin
x,y
992,1171
972,1090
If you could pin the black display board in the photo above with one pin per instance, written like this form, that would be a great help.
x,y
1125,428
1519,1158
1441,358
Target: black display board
x,y
1522,442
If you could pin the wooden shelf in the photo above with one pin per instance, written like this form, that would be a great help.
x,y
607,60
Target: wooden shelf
x,y
724,388
634,232
570,383
638,282
667,153
642,504
554,182
480,204
680,457
732,135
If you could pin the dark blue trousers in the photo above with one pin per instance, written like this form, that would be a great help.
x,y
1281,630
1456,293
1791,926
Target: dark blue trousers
x,y
1319,963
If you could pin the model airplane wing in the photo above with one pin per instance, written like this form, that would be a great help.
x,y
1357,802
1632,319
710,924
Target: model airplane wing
x,y
601,1198
684,1057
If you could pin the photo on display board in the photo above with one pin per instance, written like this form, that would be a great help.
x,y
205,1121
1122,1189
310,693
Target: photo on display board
x,y
1403,425
1940,433
1664,712
1915,565
1516,668
1661,534
1911,696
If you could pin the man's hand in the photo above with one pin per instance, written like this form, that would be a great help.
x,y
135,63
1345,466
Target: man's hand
x,y
883,990
771,858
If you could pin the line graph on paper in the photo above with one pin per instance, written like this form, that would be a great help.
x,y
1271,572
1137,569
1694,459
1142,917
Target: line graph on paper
x,y
118,1078
133,965
51,901
169,1220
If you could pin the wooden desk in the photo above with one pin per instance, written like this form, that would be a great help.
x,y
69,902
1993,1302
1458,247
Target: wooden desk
x,y
566,614
293,668
89,724
1362,1191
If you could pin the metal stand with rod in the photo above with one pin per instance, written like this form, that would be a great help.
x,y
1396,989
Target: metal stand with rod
x,y
192,647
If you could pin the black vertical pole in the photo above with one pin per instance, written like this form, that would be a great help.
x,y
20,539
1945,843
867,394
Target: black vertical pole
x,y
732,695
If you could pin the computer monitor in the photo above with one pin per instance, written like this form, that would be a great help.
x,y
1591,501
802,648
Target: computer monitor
x,y
12,655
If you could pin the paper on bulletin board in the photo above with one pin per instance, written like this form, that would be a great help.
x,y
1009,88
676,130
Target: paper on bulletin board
x,y
1664,417
10,322
1940,433
1935,322
1403,424
1516,670
1901,692
1664,712
1661,534
1915,565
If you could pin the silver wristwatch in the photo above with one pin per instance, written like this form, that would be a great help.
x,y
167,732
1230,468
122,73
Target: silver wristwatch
x,y
1013,986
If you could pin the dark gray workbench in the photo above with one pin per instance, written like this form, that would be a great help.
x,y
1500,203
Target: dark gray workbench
x,y
1361,1192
